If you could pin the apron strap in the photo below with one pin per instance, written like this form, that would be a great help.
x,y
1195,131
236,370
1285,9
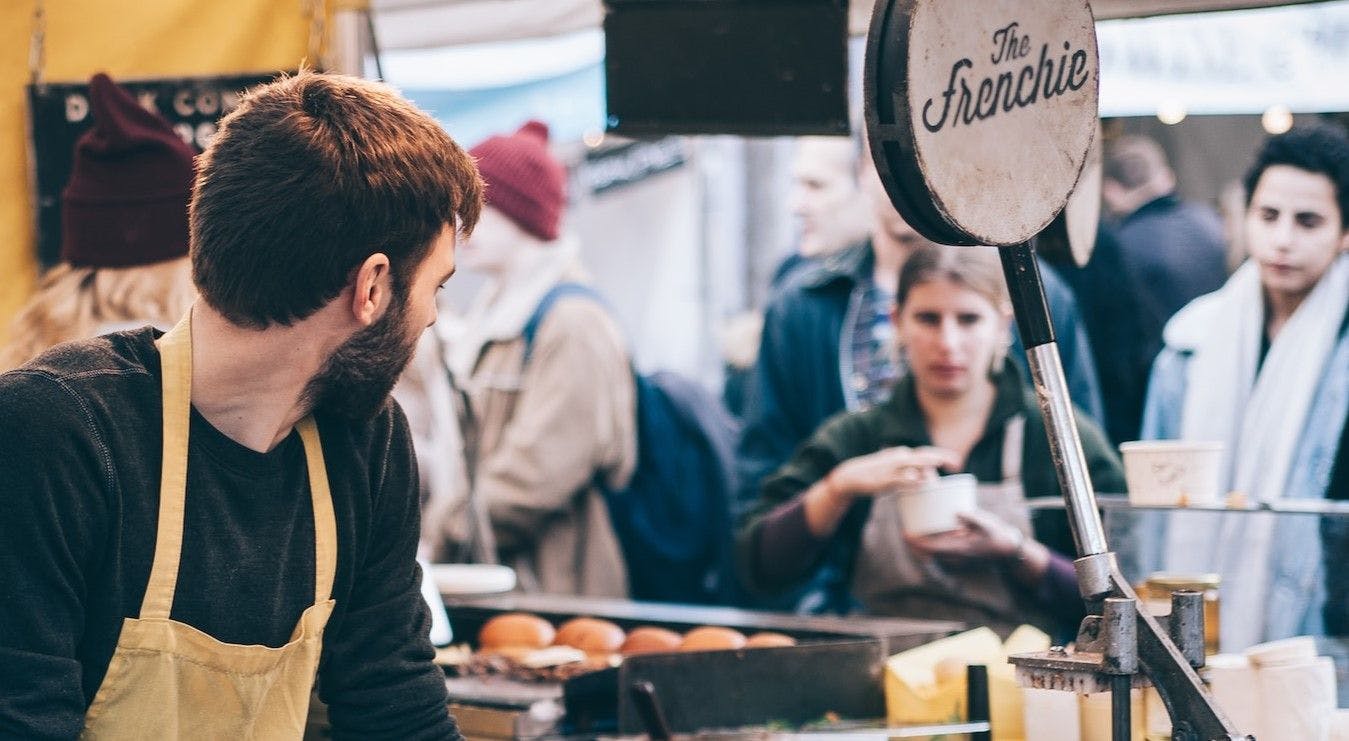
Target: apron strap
x,y
325,524
1013,447
175,353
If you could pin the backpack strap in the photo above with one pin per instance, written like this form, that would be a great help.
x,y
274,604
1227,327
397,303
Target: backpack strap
x,y
561,290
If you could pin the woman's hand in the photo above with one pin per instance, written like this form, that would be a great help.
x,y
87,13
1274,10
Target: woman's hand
x,y
981,535
984,536
899,468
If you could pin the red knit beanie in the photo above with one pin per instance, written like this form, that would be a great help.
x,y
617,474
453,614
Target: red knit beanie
x,y
524,181
126,201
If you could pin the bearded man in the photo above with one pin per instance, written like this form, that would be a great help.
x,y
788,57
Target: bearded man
x,y
198,523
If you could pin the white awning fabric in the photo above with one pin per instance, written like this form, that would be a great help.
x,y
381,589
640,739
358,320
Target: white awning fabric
x,y
424,24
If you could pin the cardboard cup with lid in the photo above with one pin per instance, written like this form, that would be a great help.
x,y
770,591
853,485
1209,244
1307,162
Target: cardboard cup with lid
x,y
1173,472
934,507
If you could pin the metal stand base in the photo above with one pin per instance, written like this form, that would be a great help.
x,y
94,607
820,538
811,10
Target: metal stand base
x,y
1121,637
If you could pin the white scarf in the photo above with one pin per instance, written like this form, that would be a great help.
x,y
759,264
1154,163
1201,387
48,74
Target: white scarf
x,y
1259,418
501,308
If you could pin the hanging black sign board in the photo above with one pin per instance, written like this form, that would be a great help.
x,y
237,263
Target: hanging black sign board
x,y
748,67
60,113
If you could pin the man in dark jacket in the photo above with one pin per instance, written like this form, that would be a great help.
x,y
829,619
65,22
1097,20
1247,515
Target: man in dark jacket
x,y
824,350
1168,253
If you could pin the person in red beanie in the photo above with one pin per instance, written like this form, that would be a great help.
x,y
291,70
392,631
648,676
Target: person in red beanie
x,y
550,414
202,526
123,232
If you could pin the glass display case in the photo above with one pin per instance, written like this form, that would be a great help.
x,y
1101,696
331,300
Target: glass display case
x,y
1268,570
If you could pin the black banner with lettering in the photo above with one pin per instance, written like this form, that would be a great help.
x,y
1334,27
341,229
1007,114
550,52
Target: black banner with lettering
x,y
60,113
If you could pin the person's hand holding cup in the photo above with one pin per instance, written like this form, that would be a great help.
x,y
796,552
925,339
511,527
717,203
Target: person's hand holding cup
x,y
895,469
979,535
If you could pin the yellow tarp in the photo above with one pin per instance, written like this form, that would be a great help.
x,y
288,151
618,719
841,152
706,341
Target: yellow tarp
x,y
146,38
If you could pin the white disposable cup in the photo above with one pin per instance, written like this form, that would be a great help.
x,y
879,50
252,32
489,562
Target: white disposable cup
x,y
1173,472
934,508
1235,687
1051,715
1285,651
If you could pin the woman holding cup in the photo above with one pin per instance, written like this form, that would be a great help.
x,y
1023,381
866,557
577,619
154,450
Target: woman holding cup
x,y
862,501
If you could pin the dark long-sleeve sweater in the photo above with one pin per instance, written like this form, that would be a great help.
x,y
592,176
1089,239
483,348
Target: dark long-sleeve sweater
x,y
775,549
80,449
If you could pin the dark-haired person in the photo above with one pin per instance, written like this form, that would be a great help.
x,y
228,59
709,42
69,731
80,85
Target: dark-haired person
x,y
198,523
1262,365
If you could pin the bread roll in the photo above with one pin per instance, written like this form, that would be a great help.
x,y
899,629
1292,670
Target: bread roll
x,y
591,635
712,638
649,639
515,630
768,640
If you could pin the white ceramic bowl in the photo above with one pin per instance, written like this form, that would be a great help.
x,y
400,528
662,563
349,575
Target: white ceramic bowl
x,y
1173,472
933,508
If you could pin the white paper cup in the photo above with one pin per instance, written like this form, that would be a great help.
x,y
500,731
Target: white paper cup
x,y
1285,651
1173,472
1050,715
1298,700
933,508
1235,687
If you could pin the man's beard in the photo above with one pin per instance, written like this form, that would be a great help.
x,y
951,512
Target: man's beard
x,y
359,375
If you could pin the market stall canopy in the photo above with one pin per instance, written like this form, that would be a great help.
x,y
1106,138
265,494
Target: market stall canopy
x,y
420,24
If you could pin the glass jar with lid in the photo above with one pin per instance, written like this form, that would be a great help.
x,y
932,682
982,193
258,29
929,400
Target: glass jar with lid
x,y
1155,594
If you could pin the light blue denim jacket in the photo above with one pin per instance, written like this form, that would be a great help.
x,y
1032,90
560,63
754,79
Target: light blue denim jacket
x,y
1297,589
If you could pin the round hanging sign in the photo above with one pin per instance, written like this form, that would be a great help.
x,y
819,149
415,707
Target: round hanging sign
x,y
980,114
1072,234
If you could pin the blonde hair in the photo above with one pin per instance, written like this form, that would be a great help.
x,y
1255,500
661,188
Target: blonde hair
x,y
73,303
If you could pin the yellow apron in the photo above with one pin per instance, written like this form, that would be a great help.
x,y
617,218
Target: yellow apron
x,y
168,680
890,579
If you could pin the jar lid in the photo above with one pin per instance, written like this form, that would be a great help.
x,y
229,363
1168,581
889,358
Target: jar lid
x,y
1175,581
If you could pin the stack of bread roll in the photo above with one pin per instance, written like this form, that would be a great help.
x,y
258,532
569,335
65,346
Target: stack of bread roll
x,y
530,643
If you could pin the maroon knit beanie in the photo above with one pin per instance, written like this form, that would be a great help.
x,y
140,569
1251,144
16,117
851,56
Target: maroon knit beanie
x,y
524,181
126,201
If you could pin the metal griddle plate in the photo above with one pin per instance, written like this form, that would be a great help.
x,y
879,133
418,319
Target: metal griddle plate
x,y
837,667
467,614
727,689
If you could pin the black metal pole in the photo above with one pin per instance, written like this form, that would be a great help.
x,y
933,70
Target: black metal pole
x,y
1121,715
1175,680
977,701
1037,335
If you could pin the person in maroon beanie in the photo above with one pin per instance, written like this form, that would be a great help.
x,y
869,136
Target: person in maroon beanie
x,y
204,526
553,414
123,232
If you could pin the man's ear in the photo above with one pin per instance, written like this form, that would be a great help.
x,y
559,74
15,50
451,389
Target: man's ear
x,y
372,289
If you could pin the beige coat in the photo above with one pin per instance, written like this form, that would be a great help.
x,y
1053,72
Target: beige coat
x,y
542,431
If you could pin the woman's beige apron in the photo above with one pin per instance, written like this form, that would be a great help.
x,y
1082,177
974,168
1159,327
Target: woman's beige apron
x,y
168,680
890,579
